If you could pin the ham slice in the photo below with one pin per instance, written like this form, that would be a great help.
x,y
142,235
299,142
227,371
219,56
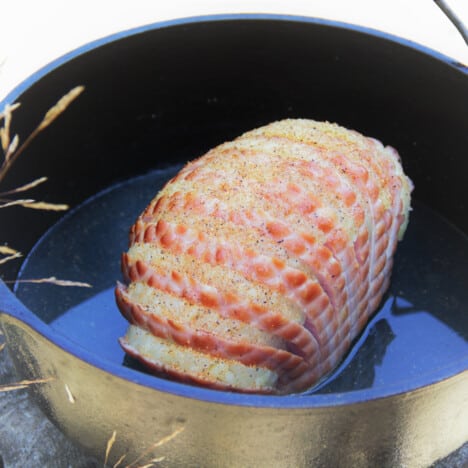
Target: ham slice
x,y
258,264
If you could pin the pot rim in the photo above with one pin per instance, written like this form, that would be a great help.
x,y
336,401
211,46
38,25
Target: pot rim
x,y
10,305
36,76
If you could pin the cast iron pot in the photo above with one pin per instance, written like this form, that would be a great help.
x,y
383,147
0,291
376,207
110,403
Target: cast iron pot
x,y
161,95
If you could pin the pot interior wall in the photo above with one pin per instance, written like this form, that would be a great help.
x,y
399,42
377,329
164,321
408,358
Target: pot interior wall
x,y
167,95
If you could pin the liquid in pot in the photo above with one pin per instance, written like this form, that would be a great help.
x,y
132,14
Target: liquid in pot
x,y
418,336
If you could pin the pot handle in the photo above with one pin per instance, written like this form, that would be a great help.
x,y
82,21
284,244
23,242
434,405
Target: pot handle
x,y
454,18
458,23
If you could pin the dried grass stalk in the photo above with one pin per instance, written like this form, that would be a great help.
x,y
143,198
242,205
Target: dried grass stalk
x,y
9,252
35,205
152,462
20,202
119,461
57,282
4,137
158,459
157,444
6,250
25,187
5,130
23,384
70,396
166,439
10,257
9,108
109,446
12,149
61,105
49,117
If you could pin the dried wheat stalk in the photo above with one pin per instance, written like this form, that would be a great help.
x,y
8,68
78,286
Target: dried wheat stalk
x,y
133,464
53,280
12,149
23,384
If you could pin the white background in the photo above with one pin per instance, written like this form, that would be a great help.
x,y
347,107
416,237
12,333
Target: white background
x,y
34,32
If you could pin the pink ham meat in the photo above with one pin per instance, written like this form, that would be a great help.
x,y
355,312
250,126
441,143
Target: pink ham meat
x,y
259,263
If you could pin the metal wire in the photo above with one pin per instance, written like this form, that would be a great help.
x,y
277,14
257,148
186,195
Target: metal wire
x,y
452,16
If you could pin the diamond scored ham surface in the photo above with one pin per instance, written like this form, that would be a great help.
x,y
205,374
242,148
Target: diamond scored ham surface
x,y
258,264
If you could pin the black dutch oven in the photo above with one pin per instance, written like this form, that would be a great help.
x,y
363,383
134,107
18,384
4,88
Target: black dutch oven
x,y
158,96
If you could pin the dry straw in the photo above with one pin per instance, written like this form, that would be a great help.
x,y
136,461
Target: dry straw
x,y
23,384
146,453
12,149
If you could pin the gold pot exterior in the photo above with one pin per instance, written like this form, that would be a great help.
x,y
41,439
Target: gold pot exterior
x,y
101,411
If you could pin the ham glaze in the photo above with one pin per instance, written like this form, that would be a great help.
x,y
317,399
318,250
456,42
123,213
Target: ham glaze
x,y
259,263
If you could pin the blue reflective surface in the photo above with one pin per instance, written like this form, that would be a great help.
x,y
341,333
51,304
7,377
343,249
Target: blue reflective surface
x,y
418,336
95,324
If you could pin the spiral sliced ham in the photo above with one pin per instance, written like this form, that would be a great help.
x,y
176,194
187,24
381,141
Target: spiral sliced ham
x,y
259,263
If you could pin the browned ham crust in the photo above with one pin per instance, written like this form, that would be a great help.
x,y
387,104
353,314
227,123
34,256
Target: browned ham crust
x,y
259,263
